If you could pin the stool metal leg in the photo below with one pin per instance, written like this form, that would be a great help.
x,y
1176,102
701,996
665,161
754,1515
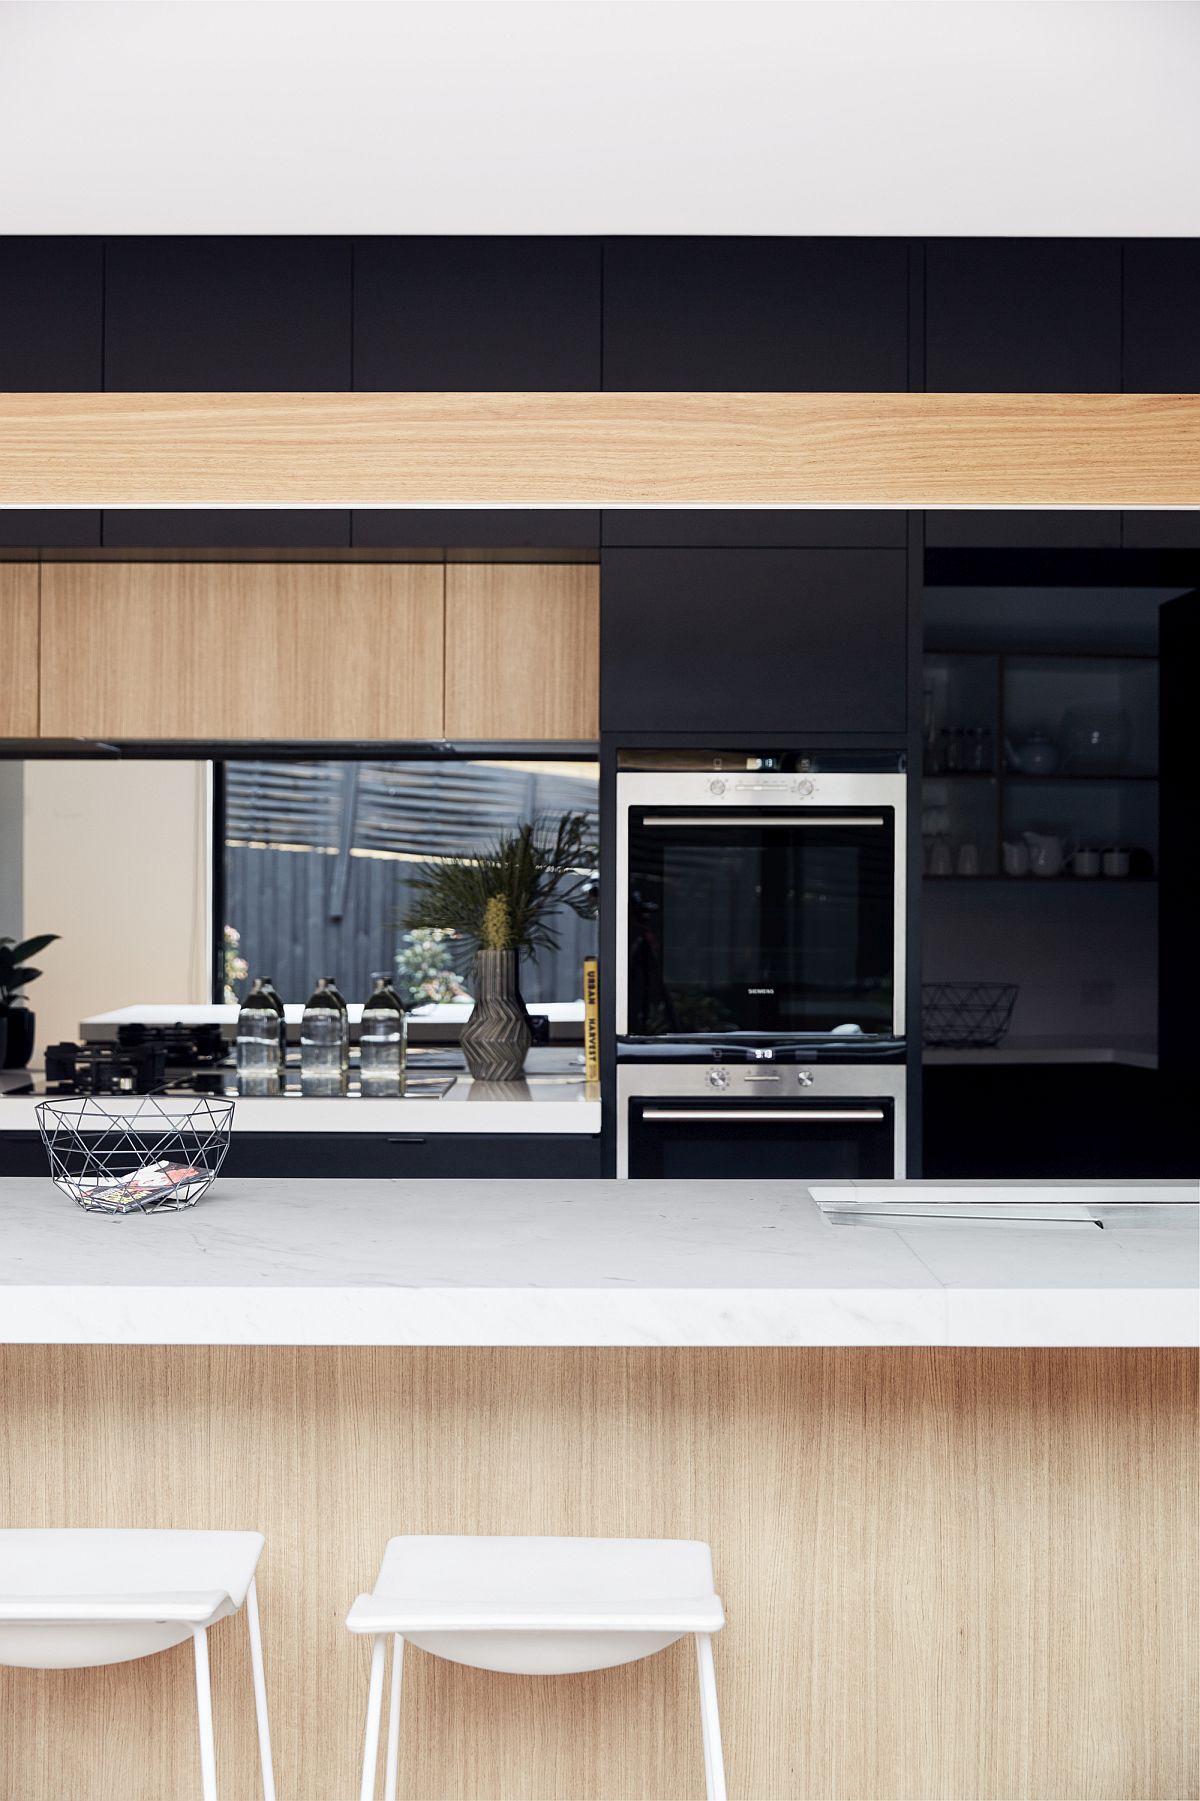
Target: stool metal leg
x,y
393,1739
208,1754
710,1720
374,1708
260,1694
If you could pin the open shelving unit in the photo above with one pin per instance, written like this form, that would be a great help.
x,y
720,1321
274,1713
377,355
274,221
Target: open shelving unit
x,y
980,705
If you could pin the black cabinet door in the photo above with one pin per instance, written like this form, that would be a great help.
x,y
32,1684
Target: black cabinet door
x,y
57,528
227,314
1015,315
1058,528
1155,530
226,528
753,640
1162,316
479,528
51,315
476,314
756,314
761,527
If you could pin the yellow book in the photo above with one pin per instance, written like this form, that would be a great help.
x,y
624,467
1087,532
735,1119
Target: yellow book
x,y
591,1019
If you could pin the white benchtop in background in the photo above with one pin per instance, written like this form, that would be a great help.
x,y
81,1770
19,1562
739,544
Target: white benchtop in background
x,y
594,1263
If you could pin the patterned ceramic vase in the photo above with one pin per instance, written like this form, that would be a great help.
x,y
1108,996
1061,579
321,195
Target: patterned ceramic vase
x,y
497,1036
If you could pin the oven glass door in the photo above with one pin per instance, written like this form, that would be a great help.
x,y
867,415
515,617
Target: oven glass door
x,y
748,1141
767,920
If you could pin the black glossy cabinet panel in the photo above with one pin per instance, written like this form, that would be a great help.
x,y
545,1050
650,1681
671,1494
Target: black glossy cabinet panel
x,y
1162,316
1154,530
1022,315
477,314
753,640
51,315
483,528
227,314
338,1156
1056,529
765,527
51,528
756,314
226,528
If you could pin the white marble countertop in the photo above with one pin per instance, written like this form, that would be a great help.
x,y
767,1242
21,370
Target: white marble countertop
x,y
600,1263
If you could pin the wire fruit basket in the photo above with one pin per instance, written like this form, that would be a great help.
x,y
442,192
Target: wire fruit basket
x,y
965,1016
156,1156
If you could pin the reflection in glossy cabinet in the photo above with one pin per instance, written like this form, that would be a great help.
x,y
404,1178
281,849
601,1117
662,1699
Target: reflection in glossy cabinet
x,y
241,651
523,650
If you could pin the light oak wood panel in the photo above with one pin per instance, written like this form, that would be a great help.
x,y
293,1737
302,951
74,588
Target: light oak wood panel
x,y
947,1574
910,450
19,611
522,651
242,651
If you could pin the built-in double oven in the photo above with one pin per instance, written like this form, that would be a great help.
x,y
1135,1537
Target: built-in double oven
x,y
760,981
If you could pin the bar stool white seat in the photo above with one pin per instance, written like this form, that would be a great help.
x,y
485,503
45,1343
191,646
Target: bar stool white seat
x,y
538,1607
73,1600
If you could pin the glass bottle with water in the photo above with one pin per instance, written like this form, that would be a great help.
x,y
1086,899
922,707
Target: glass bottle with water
x,y
340,999
382,1043
273,995
324,1042
258,1035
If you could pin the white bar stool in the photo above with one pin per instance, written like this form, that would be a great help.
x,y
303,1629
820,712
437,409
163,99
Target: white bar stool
x,y
538,1607
72,1600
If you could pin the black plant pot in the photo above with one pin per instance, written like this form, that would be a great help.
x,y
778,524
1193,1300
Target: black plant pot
x,y
17,1027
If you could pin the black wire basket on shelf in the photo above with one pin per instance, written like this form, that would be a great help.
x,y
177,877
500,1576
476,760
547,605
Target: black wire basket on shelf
x,y
154,1155
967,1016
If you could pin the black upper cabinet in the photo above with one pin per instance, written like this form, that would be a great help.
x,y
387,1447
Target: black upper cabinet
x,y
756,314
51,315
481,528
1053,528
226,528
1162,310
476,314
1016,316
767,527
227,314
705,641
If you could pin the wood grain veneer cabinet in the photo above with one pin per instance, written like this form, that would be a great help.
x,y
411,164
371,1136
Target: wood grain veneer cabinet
x,y
18,650
241,650
522,651
947,1573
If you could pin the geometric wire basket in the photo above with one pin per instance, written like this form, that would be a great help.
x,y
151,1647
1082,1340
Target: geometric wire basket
x,y
967,1015
155,1157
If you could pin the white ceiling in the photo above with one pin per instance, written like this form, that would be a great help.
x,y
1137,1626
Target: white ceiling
x,y
979,117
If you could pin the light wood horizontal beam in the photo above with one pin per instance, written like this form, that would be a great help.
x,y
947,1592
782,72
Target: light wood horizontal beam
x,y
539,450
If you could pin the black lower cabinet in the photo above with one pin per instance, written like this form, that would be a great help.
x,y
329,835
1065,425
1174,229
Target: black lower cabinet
x,y
1030,1121
340,1156
714,641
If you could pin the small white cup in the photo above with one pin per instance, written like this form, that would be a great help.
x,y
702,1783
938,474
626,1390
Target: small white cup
x,y
968,859
1116,862
1086,863
940,860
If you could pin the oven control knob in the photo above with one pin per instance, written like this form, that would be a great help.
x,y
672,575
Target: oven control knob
x,y
718,1078
805,787
804,1077
716,787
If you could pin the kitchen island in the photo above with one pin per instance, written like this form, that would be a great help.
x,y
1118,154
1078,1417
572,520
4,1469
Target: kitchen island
x,y
945,1467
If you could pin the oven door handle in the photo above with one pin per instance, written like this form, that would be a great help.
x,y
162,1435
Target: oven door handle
x,y
767,1115
786,819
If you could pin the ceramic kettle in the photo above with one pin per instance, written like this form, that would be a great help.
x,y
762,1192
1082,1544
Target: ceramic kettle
x,y
1047,854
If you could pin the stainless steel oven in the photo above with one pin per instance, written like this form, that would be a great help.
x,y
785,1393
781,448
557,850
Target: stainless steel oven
x,y
760,902
759,1121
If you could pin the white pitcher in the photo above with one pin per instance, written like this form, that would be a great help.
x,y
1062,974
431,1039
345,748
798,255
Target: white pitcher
x,y
1046,852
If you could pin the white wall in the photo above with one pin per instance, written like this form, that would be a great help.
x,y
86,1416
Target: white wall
x,y
972,117
116,861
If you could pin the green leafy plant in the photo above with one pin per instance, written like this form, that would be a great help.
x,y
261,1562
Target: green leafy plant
x,y
15,971
501,899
